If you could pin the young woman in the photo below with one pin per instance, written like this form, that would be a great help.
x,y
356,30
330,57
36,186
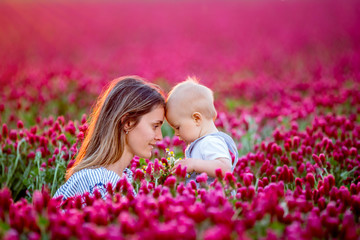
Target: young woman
x,y
126,121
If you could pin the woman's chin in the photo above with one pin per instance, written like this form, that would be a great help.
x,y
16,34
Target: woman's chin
x,y
145,155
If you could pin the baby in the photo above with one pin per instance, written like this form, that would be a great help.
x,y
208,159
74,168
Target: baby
x,y
191,113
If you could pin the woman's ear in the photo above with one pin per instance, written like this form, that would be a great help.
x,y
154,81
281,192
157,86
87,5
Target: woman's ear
x,y
197,117
127,126
128,123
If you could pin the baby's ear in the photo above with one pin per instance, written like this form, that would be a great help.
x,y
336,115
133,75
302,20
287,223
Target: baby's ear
x,y
197,117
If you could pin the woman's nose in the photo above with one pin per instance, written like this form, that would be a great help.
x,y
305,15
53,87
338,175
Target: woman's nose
x,y
159,136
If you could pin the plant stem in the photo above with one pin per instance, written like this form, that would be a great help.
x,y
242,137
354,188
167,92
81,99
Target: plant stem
x,y
56,170
18,156
54,180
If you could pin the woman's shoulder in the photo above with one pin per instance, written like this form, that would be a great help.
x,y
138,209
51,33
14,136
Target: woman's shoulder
x,y
100,176
87,174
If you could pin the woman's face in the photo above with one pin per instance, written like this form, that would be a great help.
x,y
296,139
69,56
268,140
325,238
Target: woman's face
x,y
141,140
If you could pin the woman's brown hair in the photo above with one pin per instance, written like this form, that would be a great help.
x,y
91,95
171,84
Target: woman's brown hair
x,y
125,99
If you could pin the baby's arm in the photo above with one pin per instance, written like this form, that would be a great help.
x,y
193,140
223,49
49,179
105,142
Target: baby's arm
x,y
209,167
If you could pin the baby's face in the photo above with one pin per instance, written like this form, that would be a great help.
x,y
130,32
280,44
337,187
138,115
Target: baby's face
x,y
185,127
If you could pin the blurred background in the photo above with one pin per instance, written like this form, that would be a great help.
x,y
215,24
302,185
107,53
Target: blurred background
x,y
58,55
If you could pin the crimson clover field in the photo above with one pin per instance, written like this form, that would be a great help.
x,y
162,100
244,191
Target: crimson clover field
x,y
286,78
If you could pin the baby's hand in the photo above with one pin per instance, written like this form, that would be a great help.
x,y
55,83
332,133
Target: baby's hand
x,y
188,162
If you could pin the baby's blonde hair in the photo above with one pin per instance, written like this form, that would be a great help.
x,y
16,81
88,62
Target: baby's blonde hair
x,y
194,96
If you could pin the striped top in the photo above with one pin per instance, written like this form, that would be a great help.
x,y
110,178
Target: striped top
x,y
86,180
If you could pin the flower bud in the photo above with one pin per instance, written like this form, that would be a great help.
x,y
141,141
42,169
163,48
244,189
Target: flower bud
x,y
80,136
308,192
5,130
62,138
97,193
298,182
331,179
265,181
70,164
277,135
264,166
5,199
355,204
61,120
144,188
230,179
176,141
326,186
296,141
353,152
287,146
202,178
308,150
310,179
13,135
148,172
353,189
38,201
161,145
170,182
316,159
157,168
83,118
248,178
219,174
301,168
178,171
322,158
83,128
273,178
139,175
250,192
344,195
294,156
321,203
31,155
156,192
192,184
20,124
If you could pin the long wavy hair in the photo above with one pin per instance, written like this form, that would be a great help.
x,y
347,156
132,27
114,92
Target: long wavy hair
x,y
125,99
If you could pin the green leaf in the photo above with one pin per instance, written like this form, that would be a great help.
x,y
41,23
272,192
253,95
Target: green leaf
x,y
277,226
142,161
167,130
4,226
43,222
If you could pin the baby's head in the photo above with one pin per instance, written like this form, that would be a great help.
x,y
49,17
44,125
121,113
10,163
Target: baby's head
x,y
189,109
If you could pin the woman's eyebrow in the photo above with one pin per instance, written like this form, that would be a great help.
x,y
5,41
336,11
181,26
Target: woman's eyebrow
x,y
159,122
